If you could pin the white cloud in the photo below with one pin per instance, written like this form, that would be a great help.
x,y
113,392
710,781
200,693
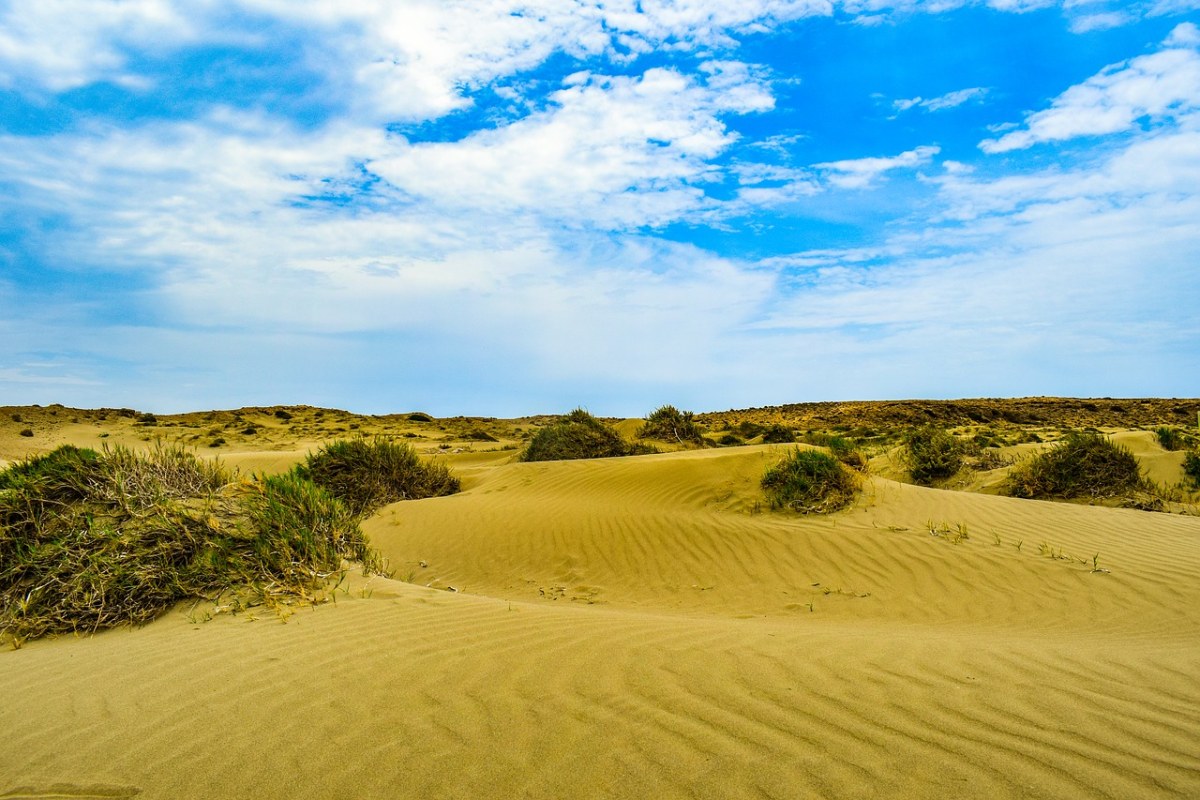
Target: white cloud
x,y
1101,21
1163,8
1160,86
949,100
1071,281
1185,34
64,44
407,60
612,151
860,173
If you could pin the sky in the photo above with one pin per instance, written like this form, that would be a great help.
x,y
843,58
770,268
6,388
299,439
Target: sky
x,y
505,208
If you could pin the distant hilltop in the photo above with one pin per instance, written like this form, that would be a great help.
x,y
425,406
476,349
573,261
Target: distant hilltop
x,y
1063,412
1048,411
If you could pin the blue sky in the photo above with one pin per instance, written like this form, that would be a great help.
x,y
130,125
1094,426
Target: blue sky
x,y
509,208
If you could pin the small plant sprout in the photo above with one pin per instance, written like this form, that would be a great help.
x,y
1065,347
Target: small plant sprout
x,y
1096,565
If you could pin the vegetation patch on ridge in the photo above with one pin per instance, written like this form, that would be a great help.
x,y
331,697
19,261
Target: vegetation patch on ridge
x,y
669,424
1083,465
92,540
579,435
931,454
367,475
811,482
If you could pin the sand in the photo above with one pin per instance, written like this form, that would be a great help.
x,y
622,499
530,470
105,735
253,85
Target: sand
x,y
641,627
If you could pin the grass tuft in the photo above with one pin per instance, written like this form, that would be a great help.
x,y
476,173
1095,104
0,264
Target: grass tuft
x,y
95,540
367,475
1191,467
579,435
1083,465
811,482
669,424
931,454
1172,438
778,434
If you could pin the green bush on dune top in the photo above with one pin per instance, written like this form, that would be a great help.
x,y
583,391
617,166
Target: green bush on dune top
x,y
931,454
367,475
1191,467
811,482
579,435
94,540
1081,465
669,424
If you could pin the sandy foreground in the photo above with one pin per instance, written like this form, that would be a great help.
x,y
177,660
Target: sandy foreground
x,y
641,628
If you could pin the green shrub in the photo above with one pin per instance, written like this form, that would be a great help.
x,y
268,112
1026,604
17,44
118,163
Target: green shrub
x,y
283,414
300,528
1191,466
94,540
1172,438
419,416
1081,465
669,424
778,434
748,430
810,482
60,474
846,451
578,435
730,440
931,454
367,475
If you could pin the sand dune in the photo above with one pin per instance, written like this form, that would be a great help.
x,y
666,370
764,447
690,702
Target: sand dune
x,y
641,627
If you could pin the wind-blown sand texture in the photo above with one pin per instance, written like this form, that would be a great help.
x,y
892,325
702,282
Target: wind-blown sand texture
x,y
641,627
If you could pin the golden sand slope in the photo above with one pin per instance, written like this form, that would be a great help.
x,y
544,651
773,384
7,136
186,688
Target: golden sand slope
x,y
638,628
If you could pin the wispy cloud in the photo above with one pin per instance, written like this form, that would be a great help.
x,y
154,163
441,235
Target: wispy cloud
x,y
1157,87
942,102
859,173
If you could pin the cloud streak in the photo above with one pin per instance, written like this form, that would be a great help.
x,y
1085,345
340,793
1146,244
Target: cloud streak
x,y
1160,86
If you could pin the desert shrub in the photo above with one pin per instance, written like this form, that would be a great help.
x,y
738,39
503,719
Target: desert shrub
x,y
578,435
931,454
730,440
60,475
299,527
15,417
282,414
1191,467
419,416
669,424
1171,438
146,419
748,429
778,434
94,540
809,481
1081,465
848,452
367,475
27,431
479,435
